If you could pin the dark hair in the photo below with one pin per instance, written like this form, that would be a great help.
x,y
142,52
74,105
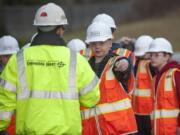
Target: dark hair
x,y
113,30
166,53
54,28
129,45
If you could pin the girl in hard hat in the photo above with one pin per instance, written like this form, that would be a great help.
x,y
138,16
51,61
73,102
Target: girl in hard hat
x,y
165,117
144,72
8,46
113,114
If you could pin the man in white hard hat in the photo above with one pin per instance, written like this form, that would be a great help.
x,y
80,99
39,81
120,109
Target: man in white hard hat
x,y
144,72
46,83
166,89
76,45
113,112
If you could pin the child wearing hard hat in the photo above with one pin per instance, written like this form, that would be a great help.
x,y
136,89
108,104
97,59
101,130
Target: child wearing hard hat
x,y
165,117
116,47
113,114
8,46
142,99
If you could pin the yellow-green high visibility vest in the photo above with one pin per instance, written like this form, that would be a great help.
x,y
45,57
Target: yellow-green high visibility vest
x,y
45,86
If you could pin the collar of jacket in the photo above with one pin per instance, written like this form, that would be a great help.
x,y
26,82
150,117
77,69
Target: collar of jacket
x,y
48,38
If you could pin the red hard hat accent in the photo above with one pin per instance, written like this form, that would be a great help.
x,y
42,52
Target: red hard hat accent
x,y
43,14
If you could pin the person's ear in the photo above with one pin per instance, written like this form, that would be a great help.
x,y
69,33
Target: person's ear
x,y
60,31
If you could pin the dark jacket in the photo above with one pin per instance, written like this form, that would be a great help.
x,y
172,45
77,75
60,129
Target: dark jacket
x,y
49,38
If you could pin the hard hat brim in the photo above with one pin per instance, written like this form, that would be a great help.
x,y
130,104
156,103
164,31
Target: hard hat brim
x,y
138,53
155,50
8,52
97,39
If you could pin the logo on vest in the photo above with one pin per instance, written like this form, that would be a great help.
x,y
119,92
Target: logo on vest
x,y
42,63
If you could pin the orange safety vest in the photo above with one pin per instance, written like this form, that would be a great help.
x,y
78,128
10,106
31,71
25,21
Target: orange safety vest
x,y
166,106
87,53
125,53
142,95
113,115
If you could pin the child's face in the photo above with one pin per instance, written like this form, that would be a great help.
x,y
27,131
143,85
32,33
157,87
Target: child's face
x,y
101,49
159,59
4,59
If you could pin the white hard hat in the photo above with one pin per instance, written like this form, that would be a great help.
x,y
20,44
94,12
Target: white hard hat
x,y
98,32
8,45
104,18
76,45
50,15
142,45
161,45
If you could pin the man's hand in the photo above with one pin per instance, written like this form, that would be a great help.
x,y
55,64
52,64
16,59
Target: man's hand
x,y
121,65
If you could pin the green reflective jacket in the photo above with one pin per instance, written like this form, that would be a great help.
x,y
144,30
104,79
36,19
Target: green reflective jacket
x,y
45,86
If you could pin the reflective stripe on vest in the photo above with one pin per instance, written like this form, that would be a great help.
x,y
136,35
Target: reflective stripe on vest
x,y
5,115
106,108
143,67
25,93
7,85
166,113
168,82
120,51
127,53
142,92
110,74
89,87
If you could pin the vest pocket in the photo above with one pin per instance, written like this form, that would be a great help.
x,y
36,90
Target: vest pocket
x,y
170,99
119,122
111,91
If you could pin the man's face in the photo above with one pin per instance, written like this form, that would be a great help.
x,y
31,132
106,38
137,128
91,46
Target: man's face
x,y
159,59
4,59
101,49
